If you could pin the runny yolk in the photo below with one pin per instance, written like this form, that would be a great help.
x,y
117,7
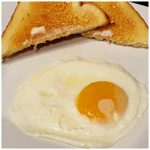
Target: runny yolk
x,y
102,101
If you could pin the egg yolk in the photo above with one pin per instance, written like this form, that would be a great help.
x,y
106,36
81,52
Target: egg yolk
x,y
103,101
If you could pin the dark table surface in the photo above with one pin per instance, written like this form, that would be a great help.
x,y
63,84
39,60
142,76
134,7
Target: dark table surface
x,y
142,3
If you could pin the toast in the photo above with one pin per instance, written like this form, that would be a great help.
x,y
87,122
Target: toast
x,y
126,25
37,22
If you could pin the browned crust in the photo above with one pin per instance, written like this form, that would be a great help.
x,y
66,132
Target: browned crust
x,y
11,19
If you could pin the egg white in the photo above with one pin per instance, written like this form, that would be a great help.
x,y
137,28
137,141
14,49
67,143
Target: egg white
x,y
45,103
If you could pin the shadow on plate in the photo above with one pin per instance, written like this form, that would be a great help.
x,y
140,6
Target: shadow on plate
x,y
46,47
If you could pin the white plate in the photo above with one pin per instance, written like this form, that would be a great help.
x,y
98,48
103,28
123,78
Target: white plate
x,y
14,71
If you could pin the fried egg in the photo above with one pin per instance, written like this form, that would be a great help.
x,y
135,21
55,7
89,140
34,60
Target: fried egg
x,y
83,102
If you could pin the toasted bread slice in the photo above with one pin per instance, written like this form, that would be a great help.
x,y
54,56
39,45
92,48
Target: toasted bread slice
x,y
126,25
37,22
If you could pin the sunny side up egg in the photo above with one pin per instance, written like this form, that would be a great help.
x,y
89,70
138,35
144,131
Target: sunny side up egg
x,y
87,103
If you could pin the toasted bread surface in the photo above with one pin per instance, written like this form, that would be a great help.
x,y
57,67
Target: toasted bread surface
x,y
37,22
126,25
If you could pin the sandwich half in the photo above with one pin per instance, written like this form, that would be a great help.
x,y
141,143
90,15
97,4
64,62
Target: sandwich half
x,y
37,22
126,26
